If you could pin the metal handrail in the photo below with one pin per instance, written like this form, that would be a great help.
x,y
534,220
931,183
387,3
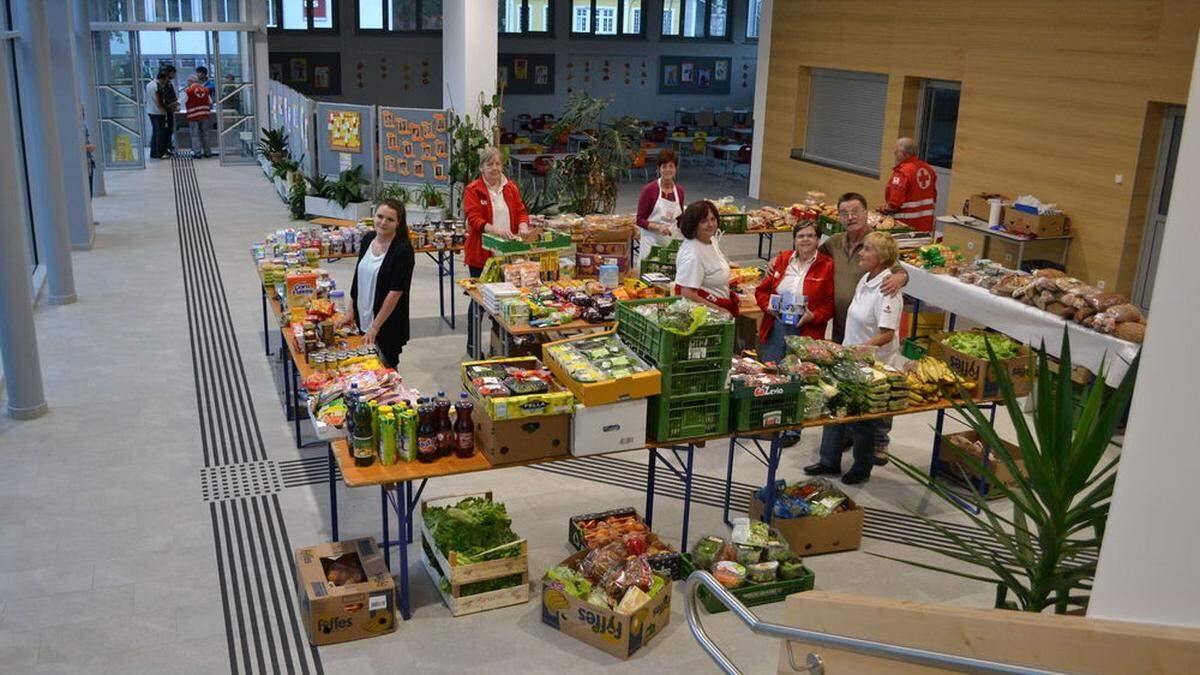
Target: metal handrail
x,y
922,657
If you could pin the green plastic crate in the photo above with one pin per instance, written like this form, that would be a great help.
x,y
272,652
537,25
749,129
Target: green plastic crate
x,y
662,348
676,417
664,254
764,412
914,348
702,376
502,246
750,595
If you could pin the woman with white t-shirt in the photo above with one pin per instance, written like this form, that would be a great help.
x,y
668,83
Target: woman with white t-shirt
x,y
873,319
659,206
380,291
701,269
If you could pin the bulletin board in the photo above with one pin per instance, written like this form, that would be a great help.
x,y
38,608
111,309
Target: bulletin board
x,y
519,74
345,138
414,146
310,73
704,75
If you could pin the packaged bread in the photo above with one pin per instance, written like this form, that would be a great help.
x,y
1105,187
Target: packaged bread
x,y
1131,331
1125,312
1009,283
1089,321
1104,323
1044,284
1061,310
1049,273
1085,312
1044,299
1103,301
1068,284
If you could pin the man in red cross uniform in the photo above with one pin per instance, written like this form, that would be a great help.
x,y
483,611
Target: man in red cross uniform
x,y
912,190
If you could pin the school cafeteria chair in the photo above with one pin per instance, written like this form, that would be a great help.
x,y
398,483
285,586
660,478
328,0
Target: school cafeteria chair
x,y
680,131
742,158
523,121
648,144
657,134
537,124
508,138
537,149
522,140
564,137
638,163
541,167
724,120
705,119
699,145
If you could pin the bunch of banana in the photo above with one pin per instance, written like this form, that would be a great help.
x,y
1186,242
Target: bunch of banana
x,y
926,378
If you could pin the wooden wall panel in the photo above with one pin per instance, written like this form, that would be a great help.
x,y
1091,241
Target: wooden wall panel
x,y
1054,100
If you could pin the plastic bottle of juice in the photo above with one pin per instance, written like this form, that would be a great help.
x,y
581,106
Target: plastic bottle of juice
x,y
442,425
426,432
410,434
351,399
464,427
387,434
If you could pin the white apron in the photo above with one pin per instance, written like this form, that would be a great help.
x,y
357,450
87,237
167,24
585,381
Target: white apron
x,y
664,211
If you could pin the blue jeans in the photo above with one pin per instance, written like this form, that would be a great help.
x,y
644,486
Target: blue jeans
x,y
774,349
865,435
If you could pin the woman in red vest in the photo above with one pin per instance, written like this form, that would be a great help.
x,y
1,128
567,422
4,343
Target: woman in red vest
x,y
492,204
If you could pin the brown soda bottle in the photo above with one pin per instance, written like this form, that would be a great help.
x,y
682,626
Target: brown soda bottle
x,y
464,427
442,425
426,433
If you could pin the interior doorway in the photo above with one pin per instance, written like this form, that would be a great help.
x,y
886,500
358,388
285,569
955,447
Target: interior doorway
x,y
1160,203
937,124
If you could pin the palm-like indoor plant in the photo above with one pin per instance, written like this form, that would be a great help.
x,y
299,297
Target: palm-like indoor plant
x,y
1059,502
467,137
272,144
344,198
589,178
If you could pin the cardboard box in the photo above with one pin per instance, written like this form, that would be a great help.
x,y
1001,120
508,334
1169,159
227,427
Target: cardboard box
x,y
977,205
521,440
970,242
608,428
980,371
352,611
811,535
618,634
1042,225
962,444
556,401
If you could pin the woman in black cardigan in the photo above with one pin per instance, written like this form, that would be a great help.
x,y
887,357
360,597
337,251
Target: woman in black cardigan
x,y
384,275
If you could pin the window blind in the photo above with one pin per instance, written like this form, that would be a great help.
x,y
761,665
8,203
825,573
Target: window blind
x,y
845,119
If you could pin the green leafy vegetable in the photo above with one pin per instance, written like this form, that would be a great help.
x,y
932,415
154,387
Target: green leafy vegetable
x,y
475,528
973,344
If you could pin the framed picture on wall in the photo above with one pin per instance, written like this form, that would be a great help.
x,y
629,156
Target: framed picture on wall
x,y
298,69
670,75
277,71
721,71
321,77
703,78
541,75
685,72
521,69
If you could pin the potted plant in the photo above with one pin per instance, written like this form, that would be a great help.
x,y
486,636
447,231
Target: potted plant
x,y
344,198
281,172
1059,502
296,194
272,145
467,138
589,178
430,205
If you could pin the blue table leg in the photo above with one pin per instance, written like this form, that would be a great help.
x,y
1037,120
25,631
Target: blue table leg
x,y
453,312
912,333
292,406
650,487
333,516
266,330
386,545
287,385
772,466
729,479
953,320
408,495
402,527
441,277
935,462
687,498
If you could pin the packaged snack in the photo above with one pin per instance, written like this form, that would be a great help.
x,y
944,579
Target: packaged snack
x,y
596,564
599,598
748,555
791,568
763,572
705,552
632,601
750,532
569,581
730,574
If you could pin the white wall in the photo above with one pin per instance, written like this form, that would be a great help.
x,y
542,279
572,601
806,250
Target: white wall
x,y
423,55
1147,570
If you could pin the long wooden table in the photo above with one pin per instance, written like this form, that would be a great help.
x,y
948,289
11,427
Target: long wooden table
x,y
399,494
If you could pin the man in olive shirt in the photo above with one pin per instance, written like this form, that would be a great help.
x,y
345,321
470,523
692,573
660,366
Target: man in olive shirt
x,y
843,247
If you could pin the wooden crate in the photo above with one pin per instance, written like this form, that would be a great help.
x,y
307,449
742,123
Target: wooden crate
x,y
458,574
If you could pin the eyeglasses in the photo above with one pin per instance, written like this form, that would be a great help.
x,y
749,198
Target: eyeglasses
x,y
806,236
850,212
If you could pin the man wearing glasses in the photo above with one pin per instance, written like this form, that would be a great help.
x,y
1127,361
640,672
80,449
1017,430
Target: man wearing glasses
x,y
843,247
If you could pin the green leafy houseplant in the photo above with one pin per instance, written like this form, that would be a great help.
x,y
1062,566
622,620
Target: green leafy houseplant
x,y
284,167
319,186
296,196
272,144
430,197
590,177
1059,503
349,187
539,199
467,137
394,191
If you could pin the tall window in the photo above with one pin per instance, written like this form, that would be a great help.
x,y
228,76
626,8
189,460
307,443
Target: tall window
x,y
305,14
608,18
400,16
701,19
753,13
525,16
844,128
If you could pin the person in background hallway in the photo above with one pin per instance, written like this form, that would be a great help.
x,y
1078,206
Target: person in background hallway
x,y
198,104
169,99
492,204
660,206
90,149
157,114
911,193
379,293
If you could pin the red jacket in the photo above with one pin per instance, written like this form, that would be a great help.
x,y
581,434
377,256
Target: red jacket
x,y
818,288
912,194
478,208
199,102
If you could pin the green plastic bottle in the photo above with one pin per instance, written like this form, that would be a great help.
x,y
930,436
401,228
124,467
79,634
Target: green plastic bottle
x,y
387,434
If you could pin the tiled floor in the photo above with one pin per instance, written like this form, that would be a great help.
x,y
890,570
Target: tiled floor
x,y
107,558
